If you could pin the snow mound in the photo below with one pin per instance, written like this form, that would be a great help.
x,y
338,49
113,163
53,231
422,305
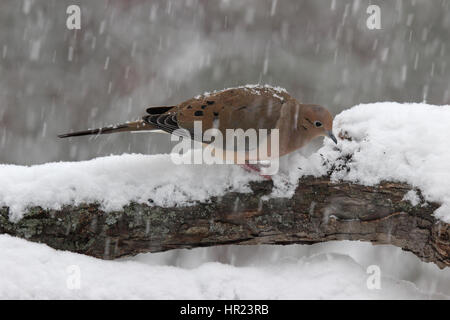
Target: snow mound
x,y
114,181
399,142
35,271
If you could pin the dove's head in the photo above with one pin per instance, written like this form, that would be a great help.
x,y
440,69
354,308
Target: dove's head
x,y
318,121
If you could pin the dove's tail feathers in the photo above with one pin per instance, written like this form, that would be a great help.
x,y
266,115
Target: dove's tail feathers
x,y
130,126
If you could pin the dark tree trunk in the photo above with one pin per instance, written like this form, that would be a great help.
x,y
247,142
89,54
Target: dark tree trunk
x,y
319,211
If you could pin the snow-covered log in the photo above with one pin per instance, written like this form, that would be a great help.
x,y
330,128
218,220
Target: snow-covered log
x,y
387,181
319,211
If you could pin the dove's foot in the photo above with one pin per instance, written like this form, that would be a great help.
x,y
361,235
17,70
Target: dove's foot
x,y
255,168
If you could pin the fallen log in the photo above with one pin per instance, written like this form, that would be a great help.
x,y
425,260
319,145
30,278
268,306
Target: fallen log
x,y
319,211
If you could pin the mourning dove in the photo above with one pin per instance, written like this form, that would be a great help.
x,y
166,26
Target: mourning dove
x,y
247,107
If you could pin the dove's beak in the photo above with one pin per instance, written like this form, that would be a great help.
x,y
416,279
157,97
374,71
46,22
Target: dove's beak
x,y
331,136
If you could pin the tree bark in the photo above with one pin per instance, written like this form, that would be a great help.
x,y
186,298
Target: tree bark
x,y
319,211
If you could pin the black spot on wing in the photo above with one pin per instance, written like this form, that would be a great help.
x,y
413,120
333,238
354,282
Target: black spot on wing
x,y
198,113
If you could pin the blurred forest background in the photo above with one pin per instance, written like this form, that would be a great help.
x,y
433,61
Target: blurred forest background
x,y
130,54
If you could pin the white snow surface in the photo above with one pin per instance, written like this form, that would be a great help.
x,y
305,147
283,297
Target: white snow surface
x,y
35,271
389,141
114,181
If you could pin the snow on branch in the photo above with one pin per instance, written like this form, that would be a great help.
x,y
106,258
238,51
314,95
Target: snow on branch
x,y
319,211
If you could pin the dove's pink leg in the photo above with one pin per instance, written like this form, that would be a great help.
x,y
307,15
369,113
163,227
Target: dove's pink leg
x,y
255,168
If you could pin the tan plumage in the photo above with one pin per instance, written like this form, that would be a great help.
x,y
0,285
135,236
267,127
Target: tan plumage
x,y
248,107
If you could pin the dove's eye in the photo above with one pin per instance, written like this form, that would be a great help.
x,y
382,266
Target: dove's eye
x,y
318,124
